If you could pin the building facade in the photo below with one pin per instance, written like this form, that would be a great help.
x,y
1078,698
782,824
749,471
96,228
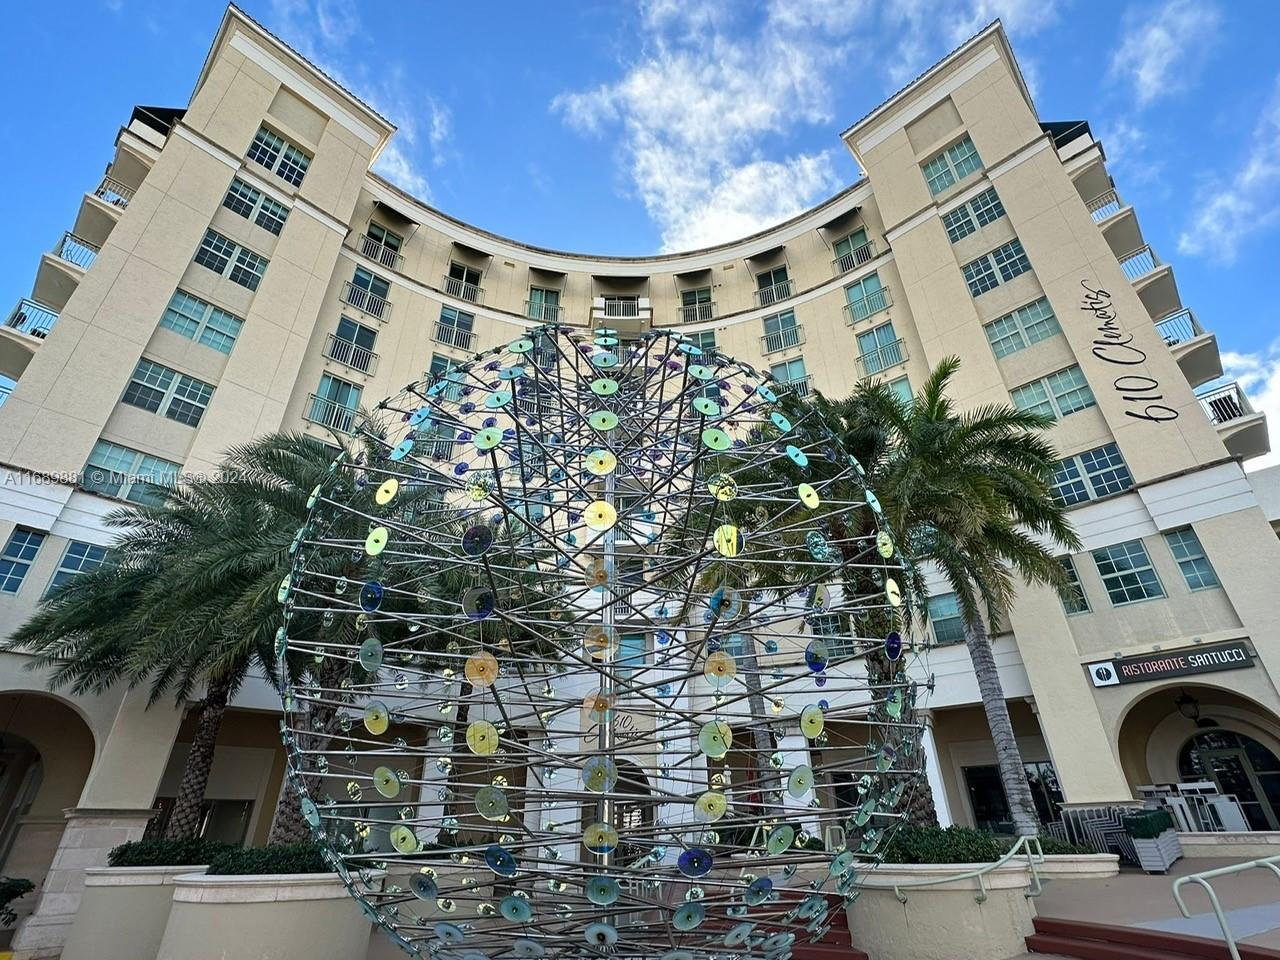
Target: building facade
x,y
240,270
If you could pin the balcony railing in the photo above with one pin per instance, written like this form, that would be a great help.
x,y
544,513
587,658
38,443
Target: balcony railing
x,y
867,305
800,387
854,258
621,308
366,301
882,358
1104,205
463,290
1136,264
76,250
32,318
331,413
5,390
379,252
1225,403
1179,327
782,339
538,310
452,336
779,291
350,354
114,192
694,312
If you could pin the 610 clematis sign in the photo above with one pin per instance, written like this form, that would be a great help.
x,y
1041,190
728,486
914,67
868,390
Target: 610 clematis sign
x,y
1141,394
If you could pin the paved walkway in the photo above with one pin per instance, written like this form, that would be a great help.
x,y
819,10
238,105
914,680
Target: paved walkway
x,y
1136,899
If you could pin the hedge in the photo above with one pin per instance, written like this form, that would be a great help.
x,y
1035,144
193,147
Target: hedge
x,y
304,857
166,853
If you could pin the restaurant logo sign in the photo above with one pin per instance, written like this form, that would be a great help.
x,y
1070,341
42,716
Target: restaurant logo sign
x,y
1183,662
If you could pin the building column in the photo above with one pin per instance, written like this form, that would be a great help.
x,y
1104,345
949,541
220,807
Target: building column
x,y
114,807
933,772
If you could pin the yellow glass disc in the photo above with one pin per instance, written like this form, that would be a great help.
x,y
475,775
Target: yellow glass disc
x,y
599,516
711,805
376,541
387,491
482,738
727,540
892,592
403,839
808,496
376,718
812,721
722,486
715,738
481,669
601,463
599,641
597,574
884,544
386,782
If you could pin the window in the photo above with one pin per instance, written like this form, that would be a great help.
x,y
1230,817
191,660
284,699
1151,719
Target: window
x,y
462,281
19,552
901,388
999,266
382,235
866,296
334,403
781,331
772,286
202,322
834,629
852,250
704,340
352,344
1073,596
375,284
990,806
632,652
1087,476
117,471
279,156
216,252
771,278
983,209
544,304
167,392
879,348
792,372
1195,566
695,304
253,204
1127,573
455,327
1056,395
987,207
945,618
78,558
951,165
1018,330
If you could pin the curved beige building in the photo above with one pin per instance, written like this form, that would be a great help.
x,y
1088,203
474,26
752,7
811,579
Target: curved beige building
x,y
240,270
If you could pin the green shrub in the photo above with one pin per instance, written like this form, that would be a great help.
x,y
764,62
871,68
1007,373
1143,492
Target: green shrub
x,y
302,857
12,888
1148,824
911,844
166,853
1052,846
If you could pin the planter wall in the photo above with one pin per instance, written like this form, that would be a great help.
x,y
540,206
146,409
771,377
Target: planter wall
x,y
1079,866
1158,854
288,917
943,922
123,912
1235,846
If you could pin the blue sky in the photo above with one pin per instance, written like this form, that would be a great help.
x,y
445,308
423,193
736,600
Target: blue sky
x,y
631,127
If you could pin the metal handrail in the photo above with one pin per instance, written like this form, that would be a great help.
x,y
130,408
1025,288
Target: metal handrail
x,y
868,305
541,310
779,291
863,253
1225,403
882,358
377,250
114,192
365,300
1136,264
1024,844
783,338
32,317
1202,879
454,336
350,354
457,287
1179,327
1104,205
76,250
694,312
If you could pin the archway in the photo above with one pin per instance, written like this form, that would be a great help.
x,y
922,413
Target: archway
x,y
633,813
1201,733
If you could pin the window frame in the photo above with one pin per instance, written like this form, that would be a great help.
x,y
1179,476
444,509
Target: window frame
x,y
239,263
133,480
1051,399
86,563
1117,575
17,559
1084,469
173,387
1192,558
203,324
996,267
939,640
261,209
1018,325
1074,599
288,161
951,165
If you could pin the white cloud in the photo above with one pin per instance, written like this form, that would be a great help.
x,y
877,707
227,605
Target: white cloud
x,y
1165,47
1259,375
716,90
331,35
1231,208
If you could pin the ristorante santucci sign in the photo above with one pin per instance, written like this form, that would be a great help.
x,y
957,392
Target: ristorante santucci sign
x,y
1142,394
1180,662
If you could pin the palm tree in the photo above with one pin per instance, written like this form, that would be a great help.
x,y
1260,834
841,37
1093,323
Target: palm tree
x,y
969,492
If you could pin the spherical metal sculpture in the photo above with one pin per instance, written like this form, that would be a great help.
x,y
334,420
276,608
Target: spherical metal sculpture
x,y
599,648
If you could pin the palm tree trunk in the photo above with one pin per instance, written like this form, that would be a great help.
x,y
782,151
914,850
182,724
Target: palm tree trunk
x,y
768,780
1013,776
288,825
184,821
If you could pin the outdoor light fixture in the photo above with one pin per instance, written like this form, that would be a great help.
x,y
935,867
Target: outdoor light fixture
x,y
1188,705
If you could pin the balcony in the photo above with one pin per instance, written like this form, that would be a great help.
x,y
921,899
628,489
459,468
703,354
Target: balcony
x,y
543,312
330,413
696,312
379,252
61,270
28,324
867,306
1136,264
882,358
783,339
1152,280
779,291
1195,348
5,390
1104,206
76,250
31,318
350,354
854,258
452,336
625,316
1243,430
463,290
365,301
621,309
800,387
114,192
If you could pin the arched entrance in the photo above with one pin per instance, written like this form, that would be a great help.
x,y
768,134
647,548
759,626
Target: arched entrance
x,y
1239,765
633,813
1198,734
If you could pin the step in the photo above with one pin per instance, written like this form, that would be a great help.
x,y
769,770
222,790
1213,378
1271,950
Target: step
x,y
1100,941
